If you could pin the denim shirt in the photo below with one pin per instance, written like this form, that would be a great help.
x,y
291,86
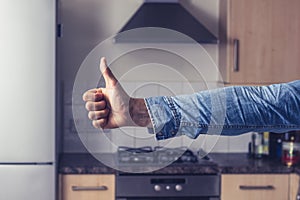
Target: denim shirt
x,y
227,111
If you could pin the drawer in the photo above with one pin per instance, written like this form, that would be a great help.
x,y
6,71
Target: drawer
x,y
91,187
254,187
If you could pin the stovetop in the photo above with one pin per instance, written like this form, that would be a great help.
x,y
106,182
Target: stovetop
x,y
165,182
160,155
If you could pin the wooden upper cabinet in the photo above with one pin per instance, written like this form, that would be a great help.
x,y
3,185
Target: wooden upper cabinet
x,y
259,41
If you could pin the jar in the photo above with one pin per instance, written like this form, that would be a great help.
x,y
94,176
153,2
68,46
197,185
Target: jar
x,y
290,149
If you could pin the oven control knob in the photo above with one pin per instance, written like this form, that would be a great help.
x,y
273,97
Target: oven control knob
x,y
178,188
168,187
157,188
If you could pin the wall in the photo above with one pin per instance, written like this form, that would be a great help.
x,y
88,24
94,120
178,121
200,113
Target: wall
x,y
89,22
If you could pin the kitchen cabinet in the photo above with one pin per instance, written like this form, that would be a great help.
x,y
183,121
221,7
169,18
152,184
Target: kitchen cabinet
x,y
259,41
255,186
294,186
91,187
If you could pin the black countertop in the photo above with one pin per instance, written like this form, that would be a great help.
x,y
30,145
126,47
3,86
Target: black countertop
x,y
81,163
88,164
225,163
240,163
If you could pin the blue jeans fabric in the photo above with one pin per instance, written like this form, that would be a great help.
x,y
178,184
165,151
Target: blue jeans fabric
x,y
227,111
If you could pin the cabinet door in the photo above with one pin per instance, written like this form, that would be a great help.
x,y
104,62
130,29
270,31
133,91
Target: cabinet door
x,y
268,48
91,187
255,187
294,186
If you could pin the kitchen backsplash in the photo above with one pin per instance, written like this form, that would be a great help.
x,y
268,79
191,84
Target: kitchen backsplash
x,y
138,137
98,20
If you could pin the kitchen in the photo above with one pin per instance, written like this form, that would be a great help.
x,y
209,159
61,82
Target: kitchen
x,y
84,24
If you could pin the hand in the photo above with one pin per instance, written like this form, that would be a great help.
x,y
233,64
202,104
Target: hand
x,y
108,107
111,107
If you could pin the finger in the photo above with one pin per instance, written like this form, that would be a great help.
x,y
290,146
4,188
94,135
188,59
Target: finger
x,y
95,106
91,91
95,115
108,76
91,96
100,123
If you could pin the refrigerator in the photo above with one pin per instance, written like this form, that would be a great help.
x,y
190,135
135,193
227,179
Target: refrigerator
x,y
27,101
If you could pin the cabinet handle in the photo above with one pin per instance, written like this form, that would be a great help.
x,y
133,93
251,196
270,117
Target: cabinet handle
x,y
250,187
236,47
90,188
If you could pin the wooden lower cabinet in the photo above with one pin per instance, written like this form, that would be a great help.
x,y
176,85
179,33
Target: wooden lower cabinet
x,y
294,186
87,187
255,187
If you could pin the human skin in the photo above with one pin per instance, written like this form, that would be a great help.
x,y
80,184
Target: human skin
x,y
111,107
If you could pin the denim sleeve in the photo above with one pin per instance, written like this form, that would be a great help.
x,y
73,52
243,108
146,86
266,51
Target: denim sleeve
x,y
227,111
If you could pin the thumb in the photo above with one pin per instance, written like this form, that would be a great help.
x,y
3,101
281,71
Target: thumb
x,y
108,76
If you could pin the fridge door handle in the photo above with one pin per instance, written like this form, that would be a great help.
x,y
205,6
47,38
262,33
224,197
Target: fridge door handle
x,y
90,188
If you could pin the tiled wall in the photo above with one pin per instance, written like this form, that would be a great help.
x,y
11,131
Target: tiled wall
x,y
145,82
108,141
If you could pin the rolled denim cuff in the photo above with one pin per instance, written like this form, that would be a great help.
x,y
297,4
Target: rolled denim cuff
x,y
164,117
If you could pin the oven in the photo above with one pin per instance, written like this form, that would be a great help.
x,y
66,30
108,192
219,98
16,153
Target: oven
x,y
168,187
166,184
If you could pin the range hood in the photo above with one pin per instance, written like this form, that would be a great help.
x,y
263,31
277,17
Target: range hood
x,y
167,14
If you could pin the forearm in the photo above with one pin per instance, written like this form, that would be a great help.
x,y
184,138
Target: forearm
x,y
227,111
273,108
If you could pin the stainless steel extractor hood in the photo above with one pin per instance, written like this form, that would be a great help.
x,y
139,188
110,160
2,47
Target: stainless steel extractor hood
x,y
168,14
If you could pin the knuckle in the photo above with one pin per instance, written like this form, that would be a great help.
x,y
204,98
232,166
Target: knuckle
x,y
102,122
97,96
84,97
104,104
91,115
91,95
106,112
89,106
101,105
99,123
96,124
99,114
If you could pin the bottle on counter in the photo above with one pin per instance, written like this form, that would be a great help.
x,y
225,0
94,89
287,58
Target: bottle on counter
x,y
291,148
265,143
252,146
275,145
259,145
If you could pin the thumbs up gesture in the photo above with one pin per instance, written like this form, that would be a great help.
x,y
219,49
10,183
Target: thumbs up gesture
x,y
108,107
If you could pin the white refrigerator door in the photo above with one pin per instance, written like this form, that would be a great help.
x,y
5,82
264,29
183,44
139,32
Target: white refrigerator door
x,y
20,182
27,81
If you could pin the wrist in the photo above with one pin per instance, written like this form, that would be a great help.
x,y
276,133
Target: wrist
x,y
138,112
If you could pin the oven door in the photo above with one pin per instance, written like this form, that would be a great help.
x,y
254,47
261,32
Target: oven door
x,y
166,187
